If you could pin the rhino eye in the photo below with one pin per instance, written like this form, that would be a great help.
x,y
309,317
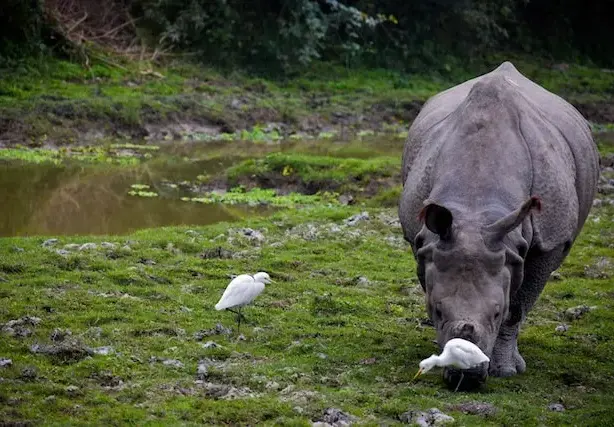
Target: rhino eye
x,y
498,312
438,313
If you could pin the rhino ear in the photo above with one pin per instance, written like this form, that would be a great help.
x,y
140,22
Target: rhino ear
x,y
438,219
506,224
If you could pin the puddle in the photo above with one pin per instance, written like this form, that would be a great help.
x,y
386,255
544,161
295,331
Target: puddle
x,y
50,199
55,200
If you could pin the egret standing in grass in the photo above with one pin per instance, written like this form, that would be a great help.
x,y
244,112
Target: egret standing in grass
x,y
457,353
241,291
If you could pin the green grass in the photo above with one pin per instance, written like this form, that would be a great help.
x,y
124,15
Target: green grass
x,y
319,337
59,99
320,171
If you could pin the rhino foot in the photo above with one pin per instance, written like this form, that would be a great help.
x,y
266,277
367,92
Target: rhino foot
x,y
506,360
470,379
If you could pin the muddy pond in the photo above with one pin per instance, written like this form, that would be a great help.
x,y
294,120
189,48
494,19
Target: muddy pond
x,y
89,198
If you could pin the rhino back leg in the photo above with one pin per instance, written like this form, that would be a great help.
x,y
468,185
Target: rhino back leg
x,y
506,359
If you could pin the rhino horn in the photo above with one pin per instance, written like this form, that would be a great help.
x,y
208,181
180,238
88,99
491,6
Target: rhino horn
x,y
506,224
437,219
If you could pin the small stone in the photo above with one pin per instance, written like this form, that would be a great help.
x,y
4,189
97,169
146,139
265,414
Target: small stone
x,y
355,219
597,203
72,389
173,362
29,373
94,332
60,334
126,248
555,275
362,281
241,337
432,417
322,356
88,246
346,199
49,399
337,417
49,242
556,407
186,309
72,246
272,385
103,351
576,313
562,328
5,362
474,408
211,344
62,252
202,372
107,245
17,249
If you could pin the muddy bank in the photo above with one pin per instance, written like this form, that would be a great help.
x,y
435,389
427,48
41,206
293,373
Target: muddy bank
x,y
61,122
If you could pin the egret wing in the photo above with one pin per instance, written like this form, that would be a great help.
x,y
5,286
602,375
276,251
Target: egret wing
x,y
237,292
469,356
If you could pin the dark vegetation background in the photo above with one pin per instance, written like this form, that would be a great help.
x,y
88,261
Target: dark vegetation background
x,y
285,35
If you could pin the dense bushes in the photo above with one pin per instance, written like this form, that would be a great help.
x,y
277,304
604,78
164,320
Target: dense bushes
x,y
390,33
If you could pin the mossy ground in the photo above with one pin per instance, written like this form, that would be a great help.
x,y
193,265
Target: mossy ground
x,y
320,337
63,103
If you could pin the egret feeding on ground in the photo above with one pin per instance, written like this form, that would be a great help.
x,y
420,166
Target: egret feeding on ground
x,y
241,291
457,353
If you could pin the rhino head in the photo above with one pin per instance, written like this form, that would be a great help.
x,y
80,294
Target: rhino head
x,y
469,266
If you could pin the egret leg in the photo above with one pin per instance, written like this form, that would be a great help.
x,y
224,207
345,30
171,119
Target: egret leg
x,y
459,382
239,322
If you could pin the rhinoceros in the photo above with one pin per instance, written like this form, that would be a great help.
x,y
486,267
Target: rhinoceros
x,y
499,175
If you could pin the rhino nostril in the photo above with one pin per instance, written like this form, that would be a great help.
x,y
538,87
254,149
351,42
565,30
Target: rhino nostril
x,y
467,332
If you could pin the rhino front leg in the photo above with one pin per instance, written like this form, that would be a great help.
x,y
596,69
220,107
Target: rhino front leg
x,y
506,360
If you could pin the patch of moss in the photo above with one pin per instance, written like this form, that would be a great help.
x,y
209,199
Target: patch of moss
x,y
259,196
318,170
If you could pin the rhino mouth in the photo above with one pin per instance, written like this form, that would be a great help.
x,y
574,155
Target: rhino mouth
x,y
466,379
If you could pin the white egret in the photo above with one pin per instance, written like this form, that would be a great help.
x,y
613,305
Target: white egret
x,y
457,353
241,291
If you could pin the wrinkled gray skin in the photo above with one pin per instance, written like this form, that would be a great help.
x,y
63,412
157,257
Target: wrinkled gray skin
x,y
484,247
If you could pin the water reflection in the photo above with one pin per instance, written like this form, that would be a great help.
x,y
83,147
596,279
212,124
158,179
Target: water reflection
x,y
63,200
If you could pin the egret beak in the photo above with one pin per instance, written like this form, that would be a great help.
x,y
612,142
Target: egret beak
x,y
417,374
272,281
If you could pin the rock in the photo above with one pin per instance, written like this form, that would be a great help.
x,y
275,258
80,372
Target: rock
x,y
556,407
272,385
72,246
60,334
252,235
68,350
17,327
336,418
602,269
172,362
355,219
555,275
72,389
17,249
202,372
346,199
432,417
219,329
562,328
102,351
474,408
597,203
606,189
576,313
241,338
362,281
322,356
28,373
217,252
185,309
211,344
62,252
107,245
5,362
49,242
88,246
